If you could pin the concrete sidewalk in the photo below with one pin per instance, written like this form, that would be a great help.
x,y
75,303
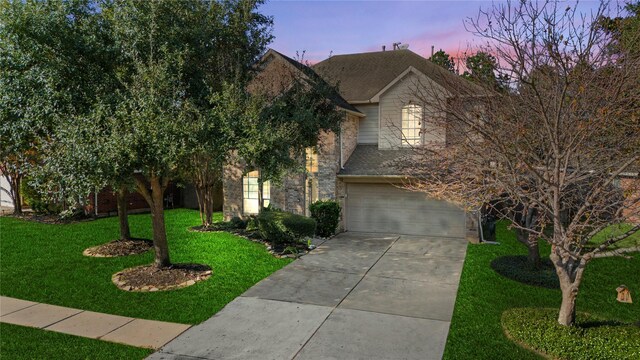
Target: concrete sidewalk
x,y
357,296
125,330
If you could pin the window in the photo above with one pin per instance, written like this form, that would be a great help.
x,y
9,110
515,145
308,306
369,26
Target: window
x,y
311,160
411,125
250,193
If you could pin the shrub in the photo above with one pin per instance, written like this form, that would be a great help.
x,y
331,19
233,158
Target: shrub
x,y
36,201
327,214
252,224
281,227
237,223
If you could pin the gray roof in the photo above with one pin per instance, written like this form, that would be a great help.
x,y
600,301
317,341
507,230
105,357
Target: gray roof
x,y
313,76
368,160
361,76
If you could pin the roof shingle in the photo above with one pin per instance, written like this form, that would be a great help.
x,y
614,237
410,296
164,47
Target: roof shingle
x,y
361,76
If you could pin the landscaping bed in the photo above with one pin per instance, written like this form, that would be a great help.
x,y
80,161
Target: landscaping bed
x,y
590,338
151,278
44,263
484,295
119,248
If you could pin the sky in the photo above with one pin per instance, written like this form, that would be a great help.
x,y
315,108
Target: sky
x,y
328,27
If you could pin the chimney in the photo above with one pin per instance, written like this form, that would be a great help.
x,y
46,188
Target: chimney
x,y
384,47
431,50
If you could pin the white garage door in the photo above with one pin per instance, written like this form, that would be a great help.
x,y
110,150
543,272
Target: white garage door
x,y
387,209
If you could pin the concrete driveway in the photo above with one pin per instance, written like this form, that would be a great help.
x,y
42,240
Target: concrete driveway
x,y
357,296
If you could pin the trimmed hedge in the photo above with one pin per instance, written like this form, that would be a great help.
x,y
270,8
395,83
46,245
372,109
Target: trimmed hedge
x,y
281,227
590,338
327,214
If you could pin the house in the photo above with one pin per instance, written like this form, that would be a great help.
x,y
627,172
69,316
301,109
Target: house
x,y
355,167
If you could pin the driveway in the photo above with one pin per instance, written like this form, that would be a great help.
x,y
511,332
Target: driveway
x,y
357,296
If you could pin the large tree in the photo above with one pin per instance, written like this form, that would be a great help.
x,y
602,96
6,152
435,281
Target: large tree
x,y
58,58
176,58
556,144
239,35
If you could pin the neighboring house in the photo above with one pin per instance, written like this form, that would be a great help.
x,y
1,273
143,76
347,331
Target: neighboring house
x,y
382,120
6,204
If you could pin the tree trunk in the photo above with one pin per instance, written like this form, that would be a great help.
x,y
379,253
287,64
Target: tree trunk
x,y
125,233
531,242
159,231
155,201
567,315
17,194
534,254
260,194
570,272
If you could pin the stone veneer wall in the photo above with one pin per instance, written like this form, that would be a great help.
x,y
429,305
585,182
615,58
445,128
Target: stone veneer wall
x,y
232,188
349,133
290,195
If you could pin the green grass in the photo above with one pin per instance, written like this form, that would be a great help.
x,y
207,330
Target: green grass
x,y
612,231
44,263
591,338
483,295
18,342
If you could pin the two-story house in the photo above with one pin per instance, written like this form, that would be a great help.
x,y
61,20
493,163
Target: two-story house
x,y
383,120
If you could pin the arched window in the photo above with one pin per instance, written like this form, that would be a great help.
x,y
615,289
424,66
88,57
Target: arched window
x,y
411,125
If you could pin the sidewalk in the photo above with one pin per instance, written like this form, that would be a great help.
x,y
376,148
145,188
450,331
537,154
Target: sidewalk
x,y
125,330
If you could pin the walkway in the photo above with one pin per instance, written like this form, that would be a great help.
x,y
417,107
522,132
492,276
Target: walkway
x,y
120,329
356,296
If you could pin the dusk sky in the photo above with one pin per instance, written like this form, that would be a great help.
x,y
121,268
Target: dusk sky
x,y
344,27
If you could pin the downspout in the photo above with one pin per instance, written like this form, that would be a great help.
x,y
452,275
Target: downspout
x,y
95,201
340,137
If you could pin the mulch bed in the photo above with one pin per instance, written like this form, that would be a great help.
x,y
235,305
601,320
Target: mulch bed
x,y
50,219
150,278
119,248
292,251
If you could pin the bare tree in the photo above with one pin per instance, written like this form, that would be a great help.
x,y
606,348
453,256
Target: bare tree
x,y
554,145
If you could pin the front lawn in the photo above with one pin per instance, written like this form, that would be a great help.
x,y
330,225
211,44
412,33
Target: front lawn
x,y
614,230
18,342
44,263
483,296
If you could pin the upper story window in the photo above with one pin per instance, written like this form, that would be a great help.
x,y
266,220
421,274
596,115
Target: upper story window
x,y
411,125
250,193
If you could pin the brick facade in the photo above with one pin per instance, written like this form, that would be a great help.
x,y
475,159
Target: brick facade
x,y
108,203
631,188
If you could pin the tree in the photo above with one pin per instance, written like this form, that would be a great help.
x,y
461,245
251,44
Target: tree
x,y
28,96
226,65
481,68
443,59
556,144
59,58
173,55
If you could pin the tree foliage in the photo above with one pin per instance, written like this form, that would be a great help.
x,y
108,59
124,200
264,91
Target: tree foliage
x,y
482,68
443,59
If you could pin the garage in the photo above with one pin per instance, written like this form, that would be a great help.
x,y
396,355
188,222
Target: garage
x,y
384,208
